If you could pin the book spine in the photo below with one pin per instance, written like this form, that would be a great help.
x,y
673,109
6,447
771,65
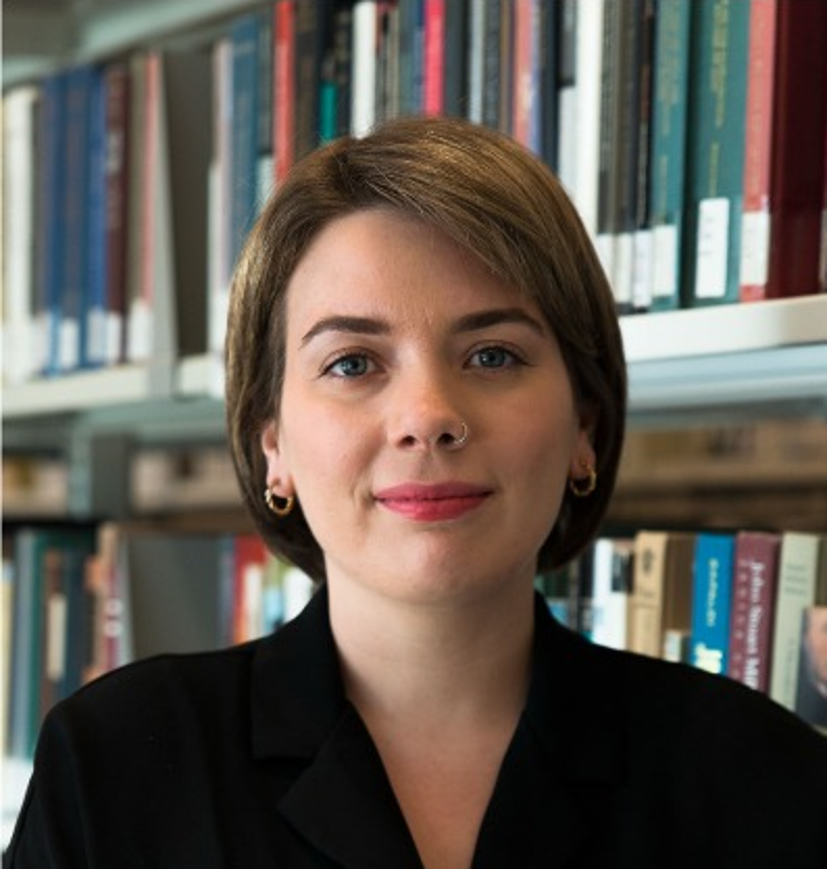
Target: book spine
x,y
264,111
95,297
525,83
797,569
433,99
117,89
493,73
567,96
668,159
712,601
20,107
245,104
547,97
717,128
363,76
761,79
284,89
798,170
455,59
75,220
753,605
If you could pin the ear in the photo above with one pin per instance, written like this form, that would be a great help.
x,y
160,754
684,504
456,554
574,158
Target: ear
x,y
278,476
583,454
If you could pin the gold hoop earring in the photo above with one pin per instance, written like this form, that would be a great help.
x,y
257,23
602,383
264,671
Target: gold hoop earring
x,y
281,507
587,485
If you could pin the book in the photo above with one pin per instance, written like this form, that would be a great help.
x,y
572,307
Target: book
x,y
612,569
548,47
313,33
117,87
68,303
783,160
588,77
363,74
51,218
798,579
36,574
716,129
567,157
661,601
712,601
455,59
219,261
667,165
94,295
753,606
245,43
176,587
20,121
249,557
525,101
434,41
811,692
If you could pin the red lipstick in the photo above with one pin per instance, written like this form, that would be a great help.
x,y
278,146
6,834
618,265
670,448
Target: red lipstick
x,y
432,502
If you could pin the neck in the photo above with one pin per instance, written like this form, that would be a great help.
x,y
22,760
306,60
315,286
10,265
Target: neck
x,y
434,663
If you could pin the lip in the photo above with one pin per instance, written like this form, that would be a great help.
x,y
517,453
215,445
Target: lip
x,y
432,501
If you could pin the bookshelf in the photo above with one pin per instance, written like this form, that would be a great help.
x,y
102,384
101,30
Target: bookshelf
x,y
711,365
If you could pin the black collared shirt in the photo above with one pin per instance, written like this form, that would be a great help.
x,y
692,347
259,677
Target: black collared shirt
x,y
253,757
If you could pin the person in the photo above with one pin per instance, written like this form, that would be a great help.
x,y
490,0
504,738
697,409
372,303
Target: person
x,y
426,401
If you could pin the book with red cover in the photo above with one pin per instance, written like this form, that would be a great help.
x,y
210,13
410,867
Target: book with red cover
x,y
783,161
433,97
284,87
753,602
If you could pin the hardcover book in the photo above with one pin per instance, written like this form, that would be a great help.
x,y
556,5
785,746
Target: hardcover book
x,y
753,607
712,601
716,129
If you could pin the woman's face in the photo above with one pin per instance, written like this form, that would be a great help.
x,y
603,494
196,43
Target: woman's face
x,y
395,337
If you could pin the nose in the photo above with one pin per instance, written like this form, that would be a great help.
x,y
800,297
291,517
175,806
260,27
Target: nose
x,y
427,414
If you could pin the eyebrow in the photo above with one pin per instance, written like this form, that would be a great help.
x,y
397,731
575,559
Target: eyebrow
x,y
467,323
495,316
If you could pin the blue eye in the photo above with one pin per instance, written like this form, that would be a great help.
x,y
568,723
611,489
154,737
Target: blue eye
x,y
494,358
350,366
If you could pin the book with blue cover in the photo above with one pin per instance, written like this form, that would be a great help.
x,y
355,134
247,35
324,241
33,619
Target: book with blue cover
x,y
712,600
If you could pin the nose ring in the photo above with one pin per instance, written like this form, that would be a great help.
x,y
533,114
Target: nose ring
x,y
459,441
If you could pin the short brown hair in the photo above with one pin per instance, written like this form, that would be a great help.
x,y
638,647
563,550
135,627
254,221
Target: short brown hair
x,y
490,195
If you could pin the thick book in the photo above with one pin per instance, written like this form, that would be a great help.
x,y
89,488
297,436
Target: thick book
x,y
753,608
661,601
712,601
716,131
167,314
783,159
176,590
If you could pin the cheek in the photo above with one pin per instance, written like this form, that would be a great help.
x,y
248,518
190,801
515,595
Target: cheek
x,y
541,457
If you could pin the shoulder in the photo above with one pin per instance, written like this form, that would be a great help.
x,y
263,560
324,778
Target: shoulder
x,y
676,714
149,699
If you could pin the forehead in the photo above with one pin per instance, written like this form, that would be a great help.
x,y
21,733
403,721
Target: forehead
x,y
391,262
